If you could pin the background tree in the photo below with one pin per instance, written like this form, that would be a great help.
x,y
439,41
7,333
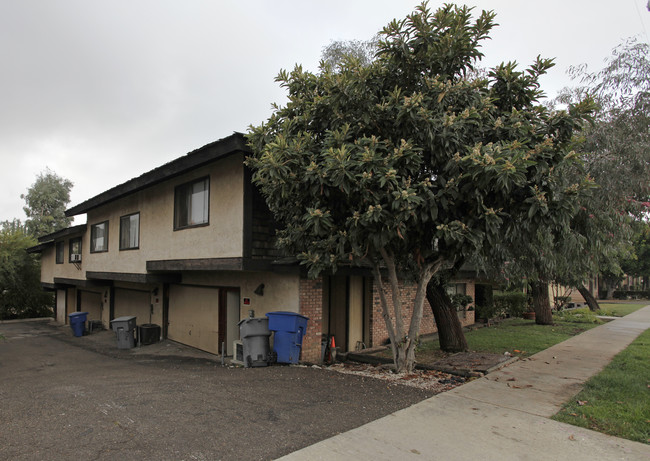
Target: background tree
x,y
46,201
639,263
388,164
21,295
616,153
338,51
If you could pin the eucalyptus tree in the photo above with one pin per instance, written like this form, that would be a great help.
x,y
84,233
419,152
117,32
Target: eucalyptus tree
x,y
45,203
407,164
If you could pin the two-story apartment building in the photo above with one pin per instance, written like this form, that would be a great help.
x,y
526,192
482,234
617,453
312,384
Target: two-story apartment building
x,y
189,246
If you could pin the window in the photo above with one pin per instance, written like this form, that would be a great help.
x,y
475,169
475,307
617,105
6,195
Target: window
x,y
191,204
60,252
75,250
99,237
130,232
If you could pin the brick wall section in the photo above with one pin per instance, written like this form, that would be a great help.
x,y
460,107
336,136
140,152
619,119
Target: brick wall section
x,y
378,331
311,306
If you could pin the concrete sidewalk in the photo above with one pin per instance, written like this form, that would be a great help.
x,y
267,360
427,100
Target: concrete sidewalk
x,y
503,416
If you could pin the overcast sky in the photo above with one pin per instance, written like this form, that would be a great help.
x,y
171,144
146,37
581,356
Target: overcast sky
x,y
103,91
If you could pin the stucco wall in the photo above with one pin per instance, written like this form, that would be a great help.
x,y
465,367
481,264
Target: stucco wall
x,y
222,238
280,290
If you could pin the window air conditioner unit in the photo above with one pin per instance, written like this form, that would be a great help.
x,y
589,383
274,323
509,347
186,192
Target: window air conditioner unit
x,y
76,258
238,352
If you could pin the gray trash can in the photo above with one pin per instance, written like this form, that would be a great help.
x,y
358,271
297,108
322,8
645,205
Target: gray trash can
x,y
124,328
254,333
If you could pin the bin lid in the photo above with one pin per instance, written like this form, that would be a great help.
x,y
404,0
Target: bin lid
x,y
125,318
287,313
252,319
77,314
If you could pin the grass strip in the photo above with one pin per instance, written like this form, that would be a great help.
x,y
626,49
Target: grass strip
x,y
617,400
619,309
517,336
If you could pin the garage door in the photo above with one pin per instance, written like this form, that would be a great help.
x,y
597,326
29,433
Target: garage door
x,y
133,302
91,302
194,317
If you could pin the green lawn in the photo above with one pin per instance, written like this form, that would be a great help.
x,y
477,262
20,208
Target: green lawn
x,y
617,401
517,336
620,309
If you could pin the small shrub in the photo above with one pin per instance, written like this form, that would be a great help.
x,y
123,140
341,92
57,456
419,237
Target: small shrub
x,y
583,315
513,303
487,311
561,301
460,302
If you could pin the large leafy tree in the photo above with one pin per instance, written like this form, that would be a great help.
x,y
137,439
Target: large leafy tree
x,y
616,152
45,204
407,164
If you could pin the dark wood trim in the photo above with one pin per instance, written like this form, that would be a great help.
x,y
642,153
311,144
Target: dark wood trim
x,y
119,237
203,264
80,229
106,224
133,277
247,234
235,143
61,282
165,312
111,304
49,286
176,227
210,264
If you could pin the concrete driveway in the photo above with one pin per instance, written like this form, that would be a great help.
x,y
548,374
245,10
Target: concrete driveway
x,y
63,400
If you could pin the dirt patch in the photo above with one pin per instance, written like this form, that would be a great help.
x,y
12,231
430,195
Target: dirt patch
x,y
468,364
471,363
430,380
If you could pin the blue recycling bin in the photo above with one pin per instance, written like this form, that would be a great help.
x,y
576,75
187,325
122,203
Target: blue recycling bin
x,y
289,328
78,323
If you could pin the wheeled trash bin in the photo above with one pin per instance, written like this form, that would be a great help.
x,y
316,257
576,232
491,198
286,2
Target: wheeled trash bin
x,y
289,328
78,322
254,334
124,328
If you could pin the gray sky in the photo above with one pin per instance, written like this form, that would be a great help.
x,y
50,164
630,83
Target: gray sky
x,y
103,91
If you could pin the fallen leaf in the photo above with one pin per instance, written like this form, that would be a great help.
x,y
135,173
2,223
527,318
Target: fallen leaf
x,y
571,437
582,402
512,379
517,350
573,414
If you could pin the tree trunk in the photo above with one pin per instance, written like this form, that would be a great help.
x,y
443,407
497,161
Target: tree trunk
x,y
541,303
450,330
589,298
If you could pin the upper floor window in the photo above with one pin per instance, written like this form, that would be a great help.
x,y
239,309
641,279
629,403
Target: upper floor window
x,y
191,204
75,250
99,237
60,252
130,231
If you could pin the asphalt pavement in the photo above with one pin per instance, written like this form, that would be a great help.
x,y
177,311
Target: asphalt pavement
x,y
64,398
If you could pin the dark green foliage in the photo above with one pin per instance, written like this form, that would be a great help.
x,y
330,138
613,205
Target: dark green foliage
x,y
21,295
460,302
411,162
512,303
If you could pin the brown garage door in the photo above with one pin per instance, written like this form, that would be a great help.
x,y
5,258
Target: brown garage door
x,y
91,302
133,302
194,317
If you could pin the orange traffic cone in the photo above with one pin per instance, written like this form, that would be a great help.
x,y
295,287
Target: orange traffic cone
x,y
332,355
